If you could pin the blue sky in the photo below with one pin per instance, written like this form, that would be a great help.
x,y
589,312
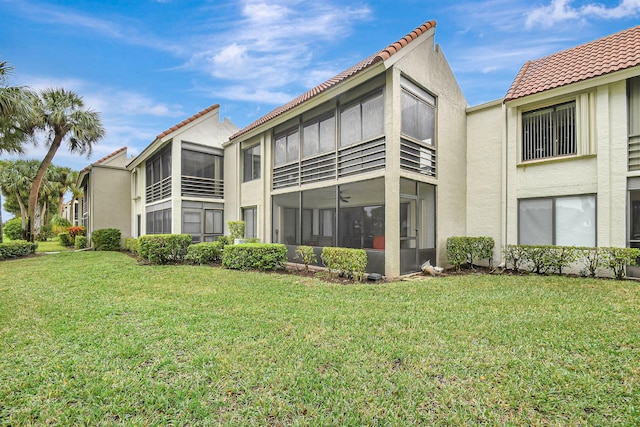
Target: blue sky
x,y
148,64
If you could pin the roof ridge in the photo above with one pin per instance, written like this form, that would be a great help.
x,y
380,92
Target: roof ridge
x,y
381,55
517,80
187,120
104,159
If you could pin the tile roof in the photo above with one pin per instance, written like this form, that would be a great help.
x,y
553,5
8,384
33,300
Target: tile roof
x,y
187,121
379,56
606,55
104,159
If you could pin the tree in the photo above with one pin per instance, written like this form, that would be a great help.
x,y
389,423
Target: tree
x,y
16,110
15,182
60,114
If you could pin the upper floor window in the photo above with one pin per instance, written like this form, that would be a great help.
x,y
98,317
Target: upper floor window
x,y
202,165
251,163
287,147
362,120
319,136
158,167
549,132
418,114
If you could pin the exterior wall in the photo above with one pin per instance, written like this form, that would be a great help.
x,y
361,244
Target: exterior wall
x,y
426,65
109,200
486,173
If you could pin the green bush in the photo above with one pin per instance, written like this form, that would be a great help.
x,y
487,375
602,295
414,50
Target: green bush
x,y
59,224
163,248
81,242
346,261
515,256
16,249
225,240
236,229
592,259
13,229
205,253
468,250
65,239
106,239
131,245
254,256
306,255
617,259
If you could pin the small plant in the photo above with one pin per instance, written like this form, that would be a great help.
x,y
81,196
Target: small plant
x,y
515,256
346,261
617,260
306,255
592,259
106,239
13,229
81,242
164,248
467,250
59,224
77,231
236,229
204,253
66,239
131,245
254,256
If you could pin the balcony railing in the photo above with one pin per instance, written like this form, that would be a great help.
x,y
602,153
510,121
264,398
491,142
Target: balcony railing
x,y
159,190
634,153
418,157
202,187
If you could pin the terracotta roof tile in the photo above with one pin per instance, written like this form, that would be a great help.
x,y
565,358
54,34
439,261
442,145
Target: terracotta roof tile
x,y
104,159
187,121
606,55
382,55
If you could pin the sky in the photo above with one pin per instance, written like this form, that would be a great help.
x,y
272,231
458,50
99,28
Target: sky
x,y
146,65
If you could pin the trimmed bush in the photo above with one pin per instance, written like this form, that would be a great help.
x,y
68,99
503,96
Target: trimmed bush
x,y
163,248
236,229
592,259
66,239
346,261
77,231
254,256
13,229
81,242
515,256
467,250
617,260
106,239
16,249
225,240
131,245
204,253
306,255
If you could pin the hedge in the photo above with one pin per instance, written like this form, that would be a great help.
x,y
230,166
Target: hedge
x,y
81,242
163,248
254,256
65,239
17,248
306,255
345,261
13,229
205,252
468,250
131,245
545,259
106,239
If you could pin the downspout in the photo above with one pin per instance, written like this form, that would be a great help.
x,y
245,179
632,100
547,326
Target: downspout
x,y
505,176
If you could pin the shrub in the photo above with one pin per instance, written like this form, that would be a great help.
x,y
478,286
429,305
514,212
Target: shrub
x,y
81,242
617,259
559,257
59,224
13,229
515,256
480,248
592,259
346,261
65,239
163,248
17,248
106,239
77,231
131,245
461,250
257,256
306,255
204,253
236,229
224,240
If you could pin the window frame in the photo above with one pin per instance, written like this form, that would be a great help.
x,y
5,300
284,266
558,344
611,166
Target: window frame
x,y
553,133
255,160
253,233
359,103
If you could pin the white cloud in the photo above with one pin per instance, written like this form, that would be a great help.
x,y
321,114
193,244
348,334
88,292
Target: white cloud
x,y
559,11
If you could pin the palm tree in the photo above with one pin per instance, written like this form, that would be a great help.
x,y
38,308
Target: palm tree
x,y
16,109
15,183
61,115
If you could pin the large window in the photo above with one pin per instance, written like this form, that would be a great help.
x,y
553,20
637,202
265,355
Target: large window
x,y
563,221
202,174
633,96
158,175
251,163
204,225
418,114
250,218
319,136
287,146
362,120
549,132
159,221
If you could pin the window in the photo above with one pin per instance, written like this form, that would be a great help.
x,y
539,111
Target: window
x,y
203,232
362,120
159,222
633,111
158,175
563,221
250,218
549,132
287,147
251,163
319,136
202,165
418,114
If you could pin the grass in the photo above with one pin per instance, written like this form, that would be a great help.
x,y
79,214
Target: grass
x,y
52,245
92,338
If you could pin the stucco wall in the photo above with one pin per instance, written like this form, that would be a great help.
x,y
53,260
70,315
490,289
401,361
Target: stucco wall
x,y
111,199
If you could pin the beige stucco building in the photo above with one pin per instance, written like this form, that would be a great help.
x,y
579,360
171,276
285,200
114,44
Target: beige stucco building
x,y
106,201
177,183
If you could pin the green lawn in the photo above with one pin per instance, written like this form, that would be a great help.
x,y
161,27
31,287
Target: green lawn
x,y
91,338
